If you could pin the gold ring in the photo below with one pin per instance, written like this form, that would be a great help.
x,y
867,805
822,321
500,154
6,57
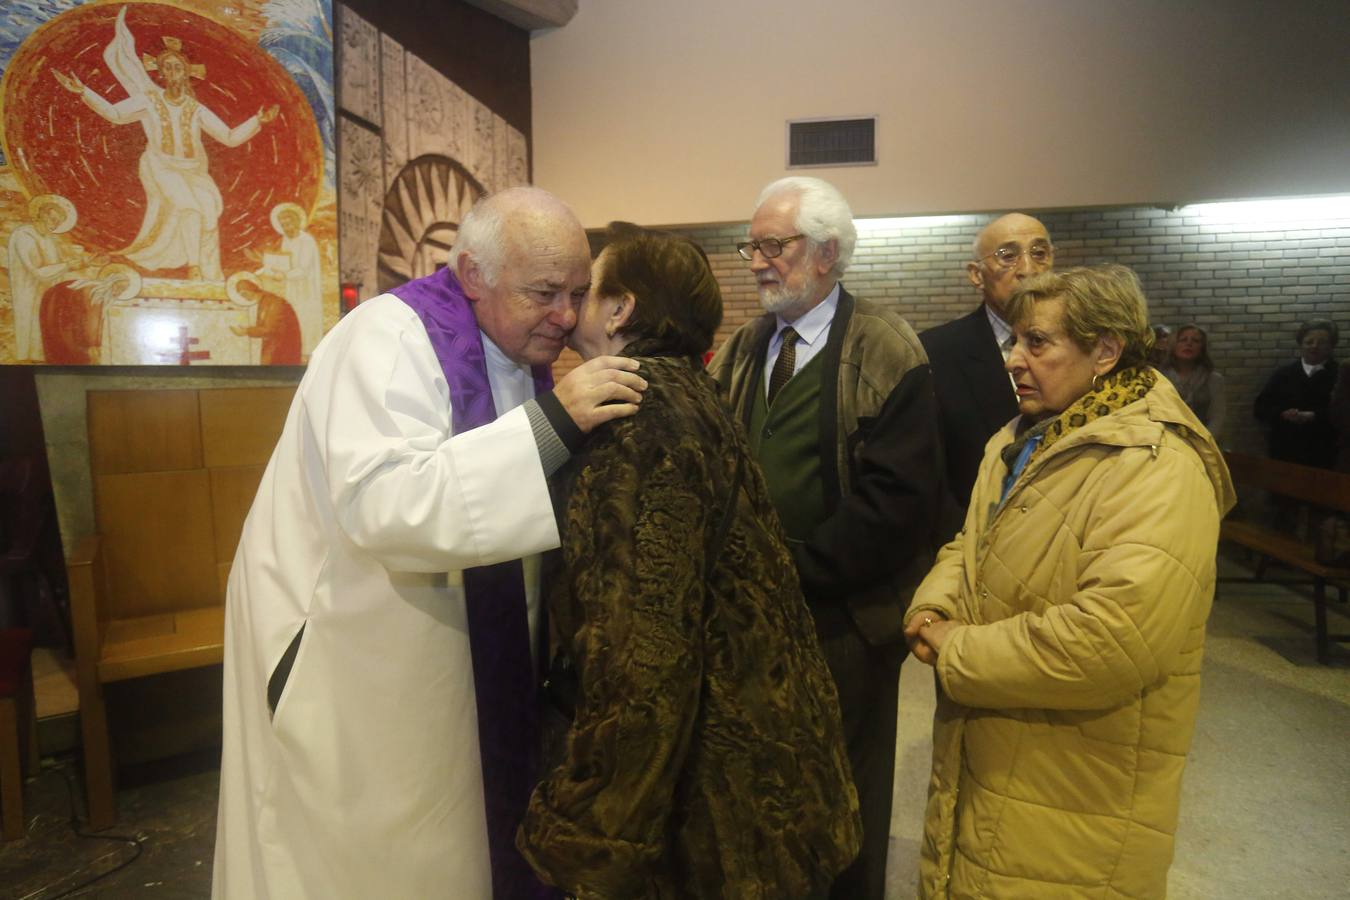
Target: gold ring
x,y
927,620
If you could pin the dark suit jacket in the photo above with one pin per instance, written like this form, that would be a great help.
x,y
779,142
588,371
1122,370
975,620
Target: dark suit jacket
x,y
973,393
1289,387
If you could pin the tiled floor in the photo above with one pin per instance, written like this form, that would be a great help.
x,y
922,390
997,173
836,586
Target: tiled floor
x,y
1265,810
170,808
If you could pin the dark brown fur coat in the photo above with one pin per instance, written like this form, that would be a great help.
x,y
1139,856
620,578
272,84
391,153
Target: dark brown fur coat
x,y
706,758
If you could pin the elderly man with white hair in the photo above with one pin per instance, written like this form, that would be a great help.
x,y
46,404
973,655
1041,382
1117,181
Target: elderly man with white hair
x,y
838,400
382,610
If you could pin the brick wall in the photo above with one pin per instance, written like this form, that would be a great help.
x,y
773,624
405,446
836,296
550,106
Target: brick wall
x,y
1248,283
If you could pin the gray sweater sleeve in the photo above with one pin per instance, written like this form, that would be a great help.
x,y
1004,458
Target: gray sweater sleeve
x,y
553,451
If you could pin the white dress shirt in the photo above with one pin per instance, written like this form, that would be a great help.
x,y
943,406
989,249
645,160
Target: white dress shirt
x,y
813,330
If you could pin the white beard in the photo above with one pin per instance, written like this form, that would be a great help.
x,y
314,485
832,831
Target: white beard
x,y
779,298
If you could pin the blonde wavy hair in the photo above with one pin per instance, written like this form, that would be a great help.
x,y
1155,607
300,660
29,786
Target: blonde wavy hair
x,y
1098,300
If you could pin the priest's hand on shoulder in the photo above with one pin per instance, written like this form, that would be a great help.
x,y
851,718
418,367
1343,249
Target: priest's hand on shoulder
x,y
601,389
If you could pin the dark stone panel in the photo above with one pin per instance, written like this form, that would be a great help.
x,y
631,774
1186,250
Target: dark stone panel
x,y
485,55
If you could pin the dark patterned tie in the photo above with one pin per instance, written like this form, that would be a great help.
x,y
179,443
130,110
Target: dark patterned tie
x,y
784,366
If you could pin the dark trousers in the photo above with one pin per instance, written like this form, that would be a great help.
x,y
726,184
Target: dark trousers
x,y
868,681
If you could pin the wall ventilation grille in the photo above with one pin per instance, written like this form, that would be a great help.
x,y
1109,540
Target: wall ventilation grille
x,y
832,142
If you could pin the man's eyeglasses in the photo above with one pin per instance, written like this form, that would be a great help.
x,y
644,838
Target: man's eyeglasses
x,y
771,247
1008,255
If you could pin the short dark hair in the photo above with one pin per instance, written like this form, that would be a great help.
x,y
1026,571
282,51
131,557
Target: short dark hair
x,y
1319,325
676,298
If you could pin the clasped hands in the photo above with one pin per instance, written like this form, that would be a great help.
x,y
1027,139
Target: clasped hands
x,y
1298,416
926,633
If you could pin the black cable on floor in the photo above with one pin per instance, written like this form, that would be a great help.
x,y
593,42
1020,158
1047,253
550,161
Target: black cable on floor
x,y
135,842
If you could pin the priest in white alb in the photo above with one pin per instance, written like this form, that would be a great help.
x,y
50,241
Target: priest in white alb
x,y
382,615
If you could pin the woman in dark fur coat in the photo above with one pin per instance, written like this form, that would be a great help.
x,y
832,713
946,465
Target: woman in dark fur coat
x,y
705,758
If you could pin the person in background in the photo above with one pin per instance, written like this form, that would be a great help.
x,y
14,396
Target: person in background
x,y
1192,373
1066,622
705,756
837,397
1162,346
967,355
1293,405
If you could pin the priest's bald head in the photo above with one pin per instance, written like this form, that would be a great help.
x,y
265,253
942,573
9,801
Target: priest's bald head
x,y
522,258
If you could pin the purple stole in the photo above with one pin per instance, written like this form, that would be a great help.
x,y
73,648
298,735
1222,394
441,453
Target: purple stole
x,y
499,635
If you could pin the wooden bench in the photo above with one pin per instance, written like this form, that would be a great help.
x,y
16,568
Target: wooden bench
x,y
1318,489
174,473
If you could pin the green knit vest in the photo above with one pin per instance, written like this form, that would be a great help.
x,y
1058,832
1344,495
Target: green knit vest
x,y
786,441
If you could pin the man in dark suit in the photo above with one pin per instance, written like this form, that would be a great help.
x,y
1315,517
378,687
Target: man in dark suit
x,y
838,404
967,354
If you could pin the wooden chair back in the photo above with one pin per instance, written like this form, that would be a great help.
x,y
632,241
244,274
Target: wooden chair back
x,y
174,473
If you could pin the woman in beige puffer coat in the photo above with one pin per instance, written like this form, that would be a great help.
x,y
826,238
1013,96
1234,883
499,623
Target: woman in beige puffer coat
x,y
1066,621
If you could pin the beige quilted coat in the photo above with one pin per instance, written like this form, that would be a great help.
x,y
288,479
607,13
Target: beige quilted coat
x,y
1067,706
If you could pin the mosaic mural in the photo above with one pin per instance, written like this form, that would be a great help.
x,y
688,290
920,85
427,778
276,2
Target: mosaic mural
x,y
167,191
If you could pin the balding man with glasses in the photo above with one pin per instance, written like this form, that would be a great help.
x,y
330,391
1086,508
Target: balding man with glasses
x,y
967,355
838,402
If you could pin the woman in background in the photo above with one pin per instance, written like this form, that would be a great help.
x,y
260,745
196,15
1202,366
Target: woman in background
x,y
705,758
1191,372
1162,346
1066,622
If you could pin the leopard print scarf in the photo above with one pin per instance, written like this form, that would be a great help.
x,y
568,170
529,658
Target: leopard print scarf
x,y
1116,391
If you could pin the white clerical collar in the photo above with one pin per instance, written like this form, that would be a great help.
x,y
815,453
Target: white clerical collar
x,y
1002,330
498,360
1309,370
816,320
512,384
